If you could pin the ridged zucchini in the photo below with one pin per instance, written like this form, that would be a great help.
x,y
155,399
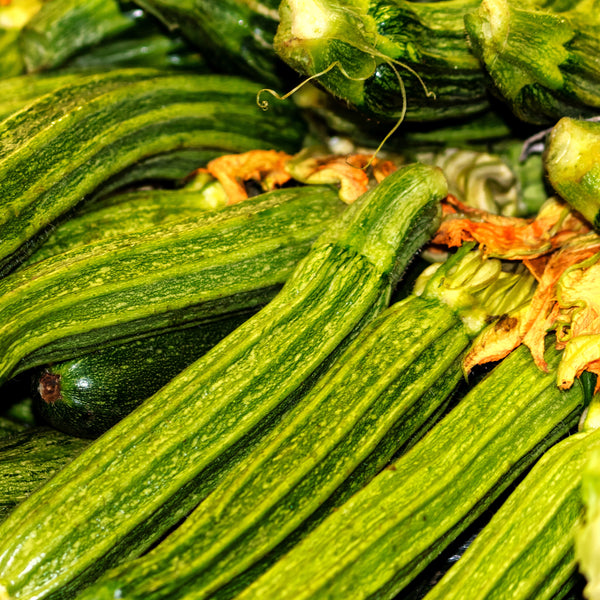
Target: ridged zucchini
x,y
139,284
86,396
235,36
572,166
9,427
125,213
64,28
389,386
384,535
83,134
527,550
140,478
541,57
153,49
29,458
385,56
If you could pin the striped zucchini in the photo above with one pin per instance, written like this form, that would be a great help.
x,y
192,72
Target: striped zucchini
x,y
126,213
388,387
9,427
383,56
571,163
29,458
152,49
64,28
141,477
527,550
87,395
587,535
194,270
540,56
83,134
235,36
384,535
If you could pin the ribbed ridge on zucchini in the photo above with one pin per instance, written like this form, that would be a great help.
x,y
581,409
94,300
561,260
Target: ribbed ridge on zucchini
x,y
527,548
29,458
387,58
389,385
153,467
381,538
196,269
84,133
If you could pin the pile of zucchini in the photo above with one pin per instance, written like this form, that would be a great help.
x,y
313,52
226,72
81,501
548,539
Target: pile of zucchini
x,y
208,398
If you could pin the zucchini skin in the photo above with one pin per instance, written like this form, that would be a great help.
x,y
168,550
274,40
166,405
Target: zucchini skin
x,y
571,164
84,134
189,271
381,538
29,458
376,44
64,28
87,395
234,36
174,448
390,385
122,214
528,548
541,60
9,427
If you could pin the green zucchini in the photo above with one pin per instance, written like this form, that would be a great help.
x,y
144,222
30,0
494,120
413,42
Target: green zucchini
x,y
153,49
125,213
29,458
586,535
234,36
87,395
541,60
20,90
148,471
387,388
384,535
64,28
387,58
527,550
572,166
83,134
189,271
9,427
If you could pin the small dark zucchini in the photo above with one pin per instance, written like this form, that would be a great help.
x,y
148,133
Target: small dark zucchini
x,y
88,395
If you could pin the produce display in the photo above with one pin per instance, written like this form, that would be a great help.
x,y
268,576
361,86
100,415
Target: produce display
x,y
299,299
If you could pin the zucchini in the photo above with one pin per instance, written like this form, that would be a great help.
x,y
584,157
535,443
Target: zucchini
x,y
384,535
189,271
387,388
29,458
64,28
586,536
121,214
84,133
572,166
142,476
527,550
540,57
87,395
234,36
153,49
9,427
387,58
